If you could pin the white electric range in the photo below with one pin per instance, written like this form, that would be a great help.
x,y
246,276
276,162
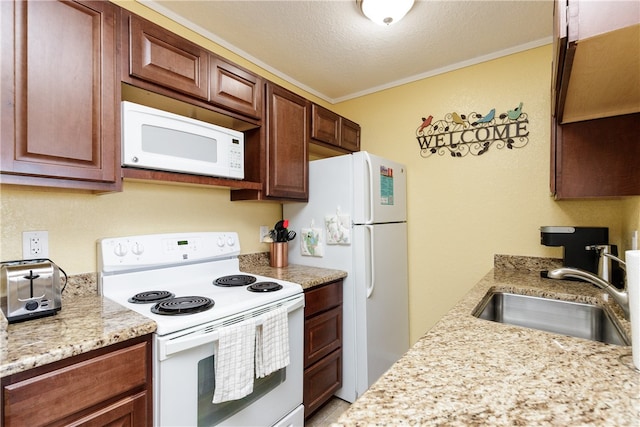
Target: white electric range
x,y
191,285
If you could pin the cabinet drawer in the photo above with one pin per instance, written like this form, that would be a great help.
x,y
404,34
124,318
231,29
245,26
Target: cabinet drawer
x,y
322,380
322,335
73,388
322,298
160,57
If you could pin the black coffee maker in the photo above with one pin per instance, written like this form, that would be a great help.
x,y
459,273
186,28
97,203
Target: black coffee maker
x,y
575,241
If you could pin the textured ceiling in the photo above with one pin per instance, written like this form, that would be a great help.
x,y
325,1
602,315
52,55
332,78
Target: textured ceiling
x,y
330,49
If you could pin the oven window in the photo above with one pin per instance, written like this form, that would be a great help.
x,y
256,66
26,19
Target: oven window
x,y
211,414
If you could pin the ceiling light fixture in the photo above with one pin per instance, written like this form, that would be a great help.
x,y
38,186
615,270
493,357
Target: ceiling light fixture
x,y
385,12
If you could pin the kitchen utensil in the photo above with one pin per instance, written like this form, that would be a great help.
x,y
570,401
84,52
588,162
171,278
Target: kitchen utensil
x,y
30,289
280,232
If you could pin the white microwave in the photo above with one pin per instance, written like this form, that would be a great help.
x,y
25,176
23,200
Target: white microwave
x,y
159,140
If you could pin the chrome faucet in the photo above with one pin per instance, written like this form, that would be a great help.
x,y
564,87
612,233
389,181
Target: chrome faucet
x,y
621,297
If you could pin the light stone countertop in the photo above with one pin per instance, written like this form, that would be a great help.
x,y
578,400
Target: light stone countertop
x,y
467,371
306,276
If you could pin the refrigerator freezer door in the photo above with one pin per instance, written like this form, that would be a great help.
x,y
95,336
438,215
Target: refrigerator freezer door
x,y
381,188
382,301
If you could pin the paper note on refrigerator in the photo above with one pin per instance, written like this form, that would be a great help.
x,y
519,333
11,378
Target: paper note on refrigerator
x,y
386,185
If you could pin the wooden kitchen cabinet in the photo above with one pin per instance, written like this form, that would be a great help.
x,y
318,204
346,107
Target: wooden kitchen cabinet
x,y
287,142
322,345
235,88
109,386
60,94
596,158
280,157
331,129
596,70
161,57
595,100
165,63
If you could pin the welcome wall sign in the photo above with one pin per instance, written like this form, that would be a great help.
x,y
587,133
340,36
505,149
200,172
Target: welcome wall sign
x,y
461,134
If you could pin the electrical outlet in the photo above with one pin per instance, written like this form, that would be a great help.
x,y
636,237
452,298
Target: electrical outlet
x,y
35,244
264,234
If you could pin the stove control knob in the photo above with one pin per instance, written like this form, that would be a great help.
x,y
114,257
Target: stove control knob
x,y
120,249
231,241
137,248
221,241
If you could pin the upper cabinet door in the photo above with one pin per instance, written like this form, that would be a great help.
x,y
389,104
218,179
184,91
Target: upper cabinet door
x,y
235,88
161,57
333,130
60,93
349,135
287,144
325,125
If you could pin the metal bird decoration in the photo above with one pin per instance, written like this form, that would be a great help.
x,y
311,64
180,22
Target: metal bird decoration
x,y
515,113
487,118
425,122
457,119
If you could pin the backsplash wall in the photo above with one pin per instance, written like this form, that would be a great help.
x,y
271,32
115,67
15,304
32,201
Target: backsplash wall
x,y
76,219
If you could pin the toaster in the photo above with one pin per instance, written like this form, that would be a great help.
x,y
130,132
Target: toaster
x,y
30,289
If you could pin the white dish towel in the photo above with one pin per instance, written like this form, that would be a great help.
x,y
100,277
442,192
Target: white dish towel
x,y
234,361
272,343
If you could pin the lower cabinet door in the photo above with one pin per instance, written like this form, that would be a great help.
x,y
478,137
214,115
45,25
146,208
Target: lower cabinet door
x,y
322,335
321,380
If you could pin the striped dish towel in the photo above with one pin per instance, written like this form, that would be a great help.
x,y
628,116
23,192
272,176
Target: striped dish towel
x,y
272,343
234,367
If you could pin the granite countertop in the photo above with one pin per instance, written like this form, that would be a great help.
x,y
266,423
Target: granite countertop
x,y
307,277
467,371
88,321
86,324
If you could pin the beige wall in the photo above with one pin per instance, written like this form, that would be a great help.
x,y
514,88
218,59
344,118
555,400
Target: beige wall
x,y
461,211
76,219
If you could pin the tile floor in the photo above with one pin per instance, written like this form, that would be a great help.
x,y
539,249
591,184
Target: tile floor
x,y
328,414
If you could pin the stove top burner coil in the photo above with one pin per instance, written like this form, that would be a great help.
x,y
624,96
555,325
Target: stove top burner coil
x,y
234,280
183,305
150,297
264,287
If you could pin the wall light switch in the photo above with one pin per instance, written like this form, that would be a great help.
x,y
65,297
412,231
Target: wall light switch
x,y
264,234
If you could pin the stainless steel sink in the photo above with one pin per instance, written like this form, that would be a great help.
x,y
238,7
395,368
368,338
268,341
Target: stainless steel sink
x,y
580,320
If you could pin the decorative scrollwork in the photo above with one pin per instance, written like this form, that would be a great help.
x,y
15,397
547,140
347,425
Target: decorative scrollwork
x,y
460,134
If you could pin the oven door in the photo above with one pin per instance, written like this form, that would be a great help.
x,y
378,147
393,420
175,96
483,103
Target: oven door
x,y
184,379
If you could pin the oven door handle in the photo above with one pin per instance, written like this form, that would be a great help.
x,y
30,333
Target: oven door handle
x,y
175,345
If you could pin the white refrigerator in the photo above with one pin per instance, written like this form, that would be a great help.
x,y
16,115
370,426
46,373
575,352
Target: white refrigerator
x,y
356,221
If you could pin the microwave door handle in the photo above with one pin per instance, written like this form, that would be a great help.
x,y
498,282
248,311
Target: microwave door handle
x,y
187,342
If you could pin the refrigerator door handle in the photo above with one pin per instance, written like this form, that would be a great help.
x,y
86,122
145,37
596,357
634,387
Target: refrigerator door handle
x,y
367,161
369,262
